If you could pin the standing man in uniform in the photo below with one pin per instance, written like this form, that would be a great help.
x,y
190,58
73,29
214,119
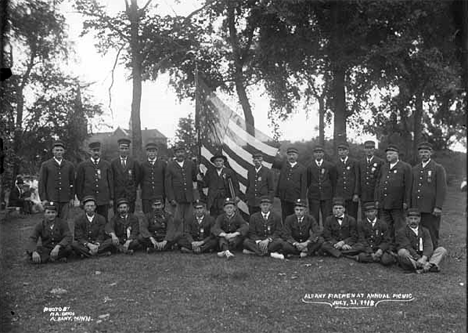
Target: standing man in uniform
x,y
369,167
347,186
429,191
55,237
94,178
221,181
259,183
292,182
126,173
393,190
321,182
181,183
153,172
57,180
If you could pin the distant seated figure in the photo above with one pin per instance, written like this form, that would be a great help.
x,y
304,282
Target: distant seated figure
x,y
198,237
340,232
265,226
301,232
90,231
230,229
158,230
123,228
415,249
17,196
375,236
37,206
55,238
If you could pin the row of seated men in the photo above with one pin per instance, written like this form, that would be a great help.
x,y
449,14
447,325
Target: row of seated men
x,y
300,235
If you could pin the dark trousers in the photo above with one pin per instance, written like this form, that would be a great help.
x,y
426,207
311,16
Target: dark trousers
x,y
103,210
63,209
209,245
232,245
386,259
147,244
254,209
329,248
131,207
44,252
351,208
395,219
432,223
320,206
287,208
80,249
275,246
288,248
134,245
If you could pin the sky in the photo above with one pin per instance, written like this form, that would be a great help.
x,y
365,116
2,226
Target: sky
x,y
160,108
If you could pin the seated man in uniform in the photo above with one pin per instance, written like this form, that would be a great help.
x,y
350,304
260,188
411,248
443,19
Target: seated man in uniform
x,y
415,249
340,232
230,229
123,228
55,237
375,236
301,232
159,230
198,237
90,231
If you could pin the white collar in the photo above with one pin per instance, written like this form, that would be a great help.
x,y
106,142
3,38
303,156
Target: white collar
x,y
415,230
180,163
344,160
265,215
58,162
257,170
425,164
393,164
319,162
292,164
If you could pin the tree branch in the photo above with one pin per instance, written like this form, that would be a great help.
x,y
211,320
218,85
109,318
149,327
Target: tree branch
x,y
112,80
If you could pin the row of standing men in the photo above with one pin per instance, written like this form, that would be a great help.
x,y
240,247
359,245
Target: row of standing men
x,y
392,185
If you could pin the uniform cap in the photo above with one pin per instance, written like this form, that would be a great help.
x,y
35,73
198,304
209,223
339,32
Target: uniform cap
x,y
229,201
300,203
151,145
369,206
338,201
158,201
50,206
88,198
121,201
198,204
318,148
95,145
218,155
178,147
392,147
425,145
124,141
413,212
369,144
343,145
292,150
58,143
265,199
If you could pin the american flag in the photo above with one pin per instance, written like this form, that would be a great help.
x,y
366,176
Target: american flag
x,y
223,130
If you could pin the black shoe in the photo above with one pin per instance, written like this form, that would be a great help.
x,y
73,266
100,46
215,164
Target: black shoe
x,y
352,257
434,269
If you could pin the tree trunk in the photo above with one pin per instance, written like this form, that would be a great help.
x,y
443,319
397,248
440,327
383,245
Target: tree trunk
x,y
339,103
244,100
417,125
321,101
136,78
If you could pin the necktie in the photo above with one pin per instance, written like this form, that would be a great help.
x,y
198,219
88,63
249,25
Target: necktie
x,y
124,162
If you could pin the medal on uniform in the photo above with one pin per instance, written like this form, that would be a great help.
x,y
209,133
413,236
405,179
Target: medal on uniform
x,y
98,173
420,244
129,172
348,167
323,171
259,179
129,230
394,171
429,175
202,231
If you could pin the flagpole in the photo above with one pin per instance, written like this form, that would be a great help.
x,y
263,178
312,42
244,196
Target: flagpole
x,y
197,112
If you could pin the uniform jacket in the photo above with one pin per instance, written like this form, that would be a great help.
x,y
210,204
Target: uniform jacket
x,y
56,182
369,173
93,232
161,226
16,197
377,237
429,187
334,233
126,179
260,229
293,231
224,224
292,182
152,179
406,239
258,185
59,234
321,181
200,232
124,228
347,183
95,180
218,186
393,186
179,181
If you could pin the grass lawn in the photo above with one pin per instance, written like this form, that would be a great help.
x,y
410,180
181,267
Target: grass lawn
x,y
174,292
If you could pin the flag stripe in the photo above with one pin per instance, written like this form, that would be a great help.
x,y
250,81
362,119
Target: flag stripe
x,y
244,149
254,142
